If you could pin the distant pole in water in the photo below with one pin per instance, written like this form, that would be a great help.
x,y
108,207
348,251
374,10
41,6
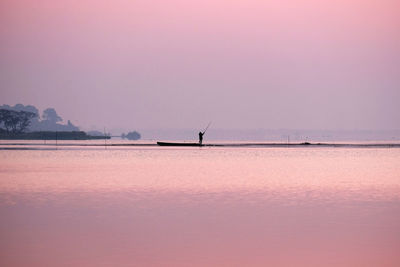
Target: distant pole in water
x,y
105,139
56,139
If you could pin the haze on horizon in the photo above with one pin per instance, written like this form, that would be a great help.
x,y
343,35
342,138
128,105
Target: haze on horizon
x,y
246,64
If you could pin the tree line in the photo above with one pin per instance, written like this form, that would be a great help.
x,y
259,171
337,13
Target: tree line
x,y
48,121
25,122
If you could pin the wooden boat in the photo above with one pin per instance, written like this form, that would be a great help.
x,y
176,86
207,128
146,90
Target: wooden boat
x,y
177,144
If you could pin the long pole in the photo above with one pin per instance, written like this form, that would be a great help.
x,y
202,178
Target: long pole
x,y
207,127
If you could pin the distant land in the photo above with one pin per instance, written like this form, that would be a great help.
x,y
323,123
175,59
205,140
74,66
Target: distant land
x,y
25,123
49,135
49,121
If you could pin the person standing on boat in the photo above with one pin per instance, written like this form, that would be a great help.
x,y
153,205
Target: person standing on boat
x,y
201,137
202,133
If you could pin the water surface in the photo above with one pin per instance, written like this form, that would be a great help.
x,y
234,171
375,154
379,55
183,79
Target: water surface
x,y
152,206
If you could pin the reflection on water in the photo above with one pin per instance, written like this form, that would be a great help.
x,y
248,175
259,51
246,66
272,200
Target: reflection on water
x,y
200,207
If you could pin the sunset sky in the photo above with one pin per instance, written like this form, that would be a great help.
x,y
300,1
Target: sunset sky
x,y
305,64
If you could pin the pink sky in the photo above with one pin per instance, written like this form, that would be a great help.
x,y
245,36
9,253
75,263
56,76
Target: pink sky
x,y
179,64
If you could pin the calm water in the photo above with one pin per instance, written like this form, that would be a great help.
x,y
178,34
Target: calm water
x,y
149,206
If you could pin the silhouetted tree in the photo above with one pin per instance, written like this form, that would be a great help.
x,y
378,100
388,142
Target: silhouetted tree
x,y
132,136
15,121
51,115
25,119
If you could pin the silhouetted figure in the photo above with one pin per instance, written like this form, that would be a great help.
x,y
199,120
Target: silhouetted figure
x,y
201,137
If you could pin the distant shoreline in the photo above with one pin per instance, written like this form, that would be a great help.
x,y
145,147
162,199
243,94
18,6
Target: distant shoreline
x,y
51,135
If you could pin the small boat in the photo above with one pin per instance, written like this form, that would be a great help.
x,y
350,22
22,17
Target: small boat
x,y
178,144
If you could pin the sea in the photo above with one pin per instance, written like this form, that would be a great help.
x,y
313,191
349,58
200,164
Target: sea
x,y
87,203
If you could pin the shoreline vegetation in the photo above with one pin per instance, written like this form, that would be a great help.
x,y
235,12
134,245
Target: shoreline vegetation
x,y
22,122
50,135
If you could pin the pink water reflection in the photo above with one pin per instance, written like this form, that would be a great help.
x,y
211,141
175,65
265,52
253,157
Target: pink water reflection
x,y
200,207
